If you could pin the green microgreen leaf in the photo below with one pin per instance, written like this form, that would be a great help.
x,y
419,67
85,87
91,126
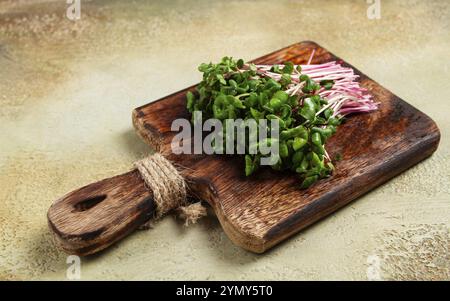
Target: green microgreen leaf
x,y
232,89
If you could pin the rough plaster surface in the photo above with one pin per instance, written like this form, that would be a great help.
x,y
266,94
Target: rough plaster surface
x,y
67,90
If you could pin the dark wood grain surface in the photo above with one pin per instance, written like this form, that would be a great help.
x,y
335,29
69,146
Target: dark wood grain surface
x,y
260,211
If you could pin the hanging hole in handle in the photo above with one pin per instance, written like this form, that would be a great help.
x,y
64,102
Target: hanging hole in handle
x,y
89,203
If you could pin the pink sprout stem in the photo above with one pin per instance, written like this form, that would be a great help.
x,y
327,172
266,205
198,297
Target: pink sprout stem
x,y
345,97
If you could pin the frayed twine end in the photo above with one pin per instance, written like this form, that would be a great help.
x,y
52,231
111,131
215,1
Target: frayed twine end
x,y
192,213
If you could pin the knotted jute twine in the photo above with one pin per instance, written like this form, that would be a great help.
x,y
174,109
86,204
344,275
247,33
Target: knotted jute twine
x,y
169,188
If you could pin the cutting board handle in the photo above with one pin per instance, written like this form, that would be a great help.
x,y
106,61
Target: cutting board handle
x,y
93,217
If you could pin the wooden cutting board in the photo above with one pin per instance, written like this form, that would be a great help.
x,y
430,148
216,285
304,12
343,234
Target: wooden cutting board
x,y
260,211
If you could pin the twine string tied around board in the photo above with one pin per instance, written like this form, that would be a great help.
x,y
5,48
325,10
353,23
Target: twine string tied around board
x,y
169,189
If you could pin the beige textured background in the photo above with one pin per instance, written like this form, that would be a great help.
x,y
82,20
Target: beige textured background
x,y
67,90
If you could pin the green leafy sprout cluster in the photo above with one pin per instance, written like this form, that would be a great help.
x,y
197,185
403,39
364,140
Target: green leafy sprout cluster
x,y
233,89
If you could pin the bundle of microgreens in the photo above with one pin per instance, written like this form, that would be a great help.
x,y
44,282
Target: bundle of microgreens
x,y
309,102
